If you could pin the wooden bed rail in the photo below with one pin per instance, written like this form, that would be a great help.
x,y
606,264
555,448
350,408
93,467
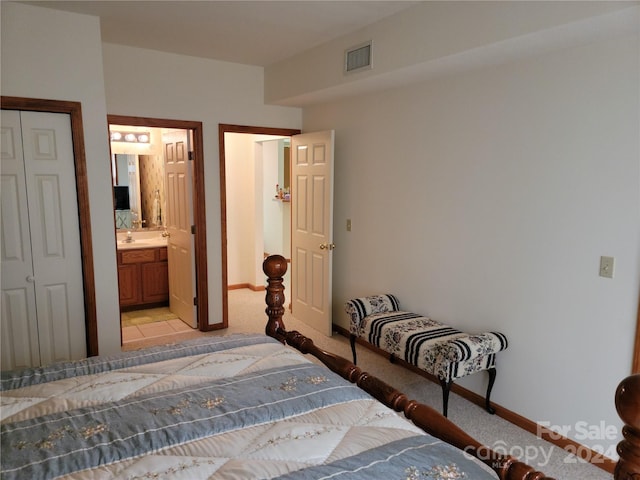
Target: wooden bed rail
x,y
628,406
425,417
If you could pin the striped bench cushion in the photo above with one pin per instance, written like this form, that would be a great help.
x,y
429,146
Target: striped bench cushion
x,y
431,346
471,346
359,308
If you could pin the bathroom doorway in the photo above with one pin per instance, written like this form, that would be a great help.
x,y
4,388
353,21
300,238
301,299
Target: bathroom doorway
x,y
160,228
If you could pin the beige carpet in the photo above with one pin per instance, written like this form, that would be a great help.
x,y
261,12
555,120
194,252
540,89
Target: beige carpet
x,y
247,314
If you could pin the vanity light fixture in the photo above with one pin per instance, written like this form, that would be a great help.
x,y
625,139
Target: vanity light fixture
x,y
130,137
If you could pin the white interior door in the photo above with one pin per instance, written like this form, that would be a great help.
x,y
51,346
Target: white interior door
x,y
179,219
312,228
20,345
53,242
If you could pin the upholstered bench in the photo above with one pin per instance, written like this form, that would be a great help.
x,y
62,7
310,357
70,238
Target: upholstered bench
x,y
431,346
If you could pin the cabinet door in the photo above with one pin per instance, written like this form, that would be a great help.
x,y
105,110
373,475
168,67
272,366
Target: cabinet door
x,y
155,282
128,281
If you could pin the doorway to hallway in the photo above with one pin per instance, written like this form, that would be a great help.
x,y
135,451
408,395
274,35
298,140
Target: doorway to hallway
x,y
256,138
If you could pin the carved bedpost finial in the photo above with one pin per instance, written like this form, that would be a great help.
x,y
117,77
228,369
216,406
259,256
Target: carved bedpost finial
x,y
628,406
274,267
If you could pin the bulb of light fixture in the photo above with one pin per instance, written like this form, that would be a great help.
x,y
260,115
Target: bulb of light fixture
x,y
116,136
143,138
130,137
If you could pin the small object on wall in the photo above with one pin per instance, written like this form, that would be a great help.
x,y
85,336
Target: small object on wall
x,y
606,267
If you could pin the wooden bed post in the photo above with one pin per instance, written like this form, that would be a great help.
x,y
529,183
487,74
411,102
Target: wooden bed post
x,y
274,267
628,406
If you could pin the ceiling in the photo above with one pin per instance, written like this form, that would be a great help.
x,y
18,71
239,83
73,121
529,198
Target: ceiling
x,y
249,32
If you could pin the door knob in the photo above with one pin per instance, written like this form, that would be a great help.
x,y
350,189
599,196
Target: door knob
x,y
327,246
30,278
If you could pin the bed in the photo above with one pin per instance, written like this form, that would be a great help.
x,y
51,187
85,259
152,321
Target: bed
x,y
231,407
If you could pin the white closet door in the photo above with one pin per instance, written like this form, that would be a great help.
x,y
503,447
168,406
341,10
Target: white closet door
x,y
19,329
49,176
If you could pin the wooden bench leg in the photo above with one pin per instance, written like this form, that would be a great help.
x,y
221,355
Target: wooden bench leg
x,y
492,379
446,388
352,340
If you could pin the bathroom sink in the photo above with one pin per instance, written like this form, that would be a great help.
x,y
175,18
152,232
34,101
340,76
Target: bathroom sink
x,y
142,243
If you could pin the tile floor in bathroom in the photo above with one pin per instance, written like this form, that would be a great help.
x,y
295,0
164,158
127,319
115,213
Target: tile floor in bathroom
x,y
154,329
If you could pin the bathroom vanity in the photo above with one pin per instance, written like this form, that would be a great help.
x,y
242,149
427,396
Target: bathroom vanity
x,y
143,275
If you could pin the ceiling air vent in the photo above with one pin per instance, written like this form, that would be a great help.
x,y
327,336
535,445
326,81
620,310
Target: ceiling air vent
x,y
358,58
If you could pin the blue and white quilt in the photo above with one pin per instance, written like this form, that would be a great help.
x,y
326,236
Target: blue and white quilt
x,y
230,407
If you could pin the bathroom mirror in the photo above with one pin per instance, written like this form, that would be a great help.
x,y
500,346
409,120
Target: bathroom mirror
x,y
139,190
137,170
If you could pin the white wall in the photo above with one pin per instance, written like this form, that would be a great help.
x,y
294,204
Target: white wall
x,y
241,221
258,277
48,54
485,200
273,208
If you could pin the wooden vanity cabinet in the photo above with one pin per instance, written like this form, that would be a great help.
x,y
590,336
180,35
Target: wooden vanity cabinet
x,y
143,277
128,281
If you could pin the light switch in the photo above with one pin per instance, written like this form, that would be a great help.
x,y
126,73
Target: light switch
x,y
348,224
606,267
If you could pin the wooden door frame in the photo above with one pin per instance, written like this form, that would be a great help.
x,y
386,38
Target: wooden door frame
x,y
74,110
222,129
635,367
199,210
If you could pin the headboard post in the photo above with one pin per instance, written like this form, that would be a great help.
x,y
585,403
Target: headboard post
x,y
628,406
274,267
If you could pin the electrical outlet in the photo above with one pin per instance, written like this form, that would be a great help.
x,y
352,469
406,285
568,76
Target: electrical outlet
x,y
348,224
606,267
